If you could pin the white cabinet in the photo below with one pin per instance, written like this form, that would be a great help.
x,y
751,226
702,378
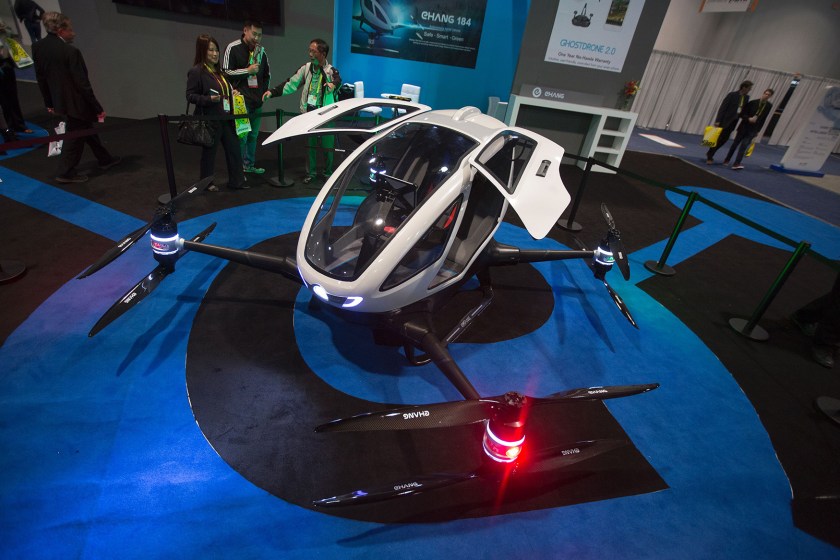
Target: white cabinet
x,y
606,137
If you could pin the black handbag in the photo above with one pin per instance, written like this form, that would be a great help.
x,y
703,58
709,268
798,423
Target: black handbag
x,y
195,132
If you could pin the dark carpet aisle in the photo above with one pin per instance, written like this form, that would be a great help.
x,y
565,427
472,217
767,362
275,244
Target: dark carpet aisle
x,y
185,428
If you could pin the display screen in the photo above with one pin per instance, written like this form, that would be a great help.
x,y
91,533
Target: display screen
x,y
268,12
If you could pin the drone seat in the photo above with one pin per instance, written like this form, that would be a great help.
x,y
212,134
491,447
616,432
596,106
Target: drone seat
x,y
359,92
411,92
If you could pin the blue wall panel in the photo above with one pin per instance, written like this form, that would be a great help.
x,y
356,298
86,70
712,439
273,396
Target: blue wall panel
x,y
443,87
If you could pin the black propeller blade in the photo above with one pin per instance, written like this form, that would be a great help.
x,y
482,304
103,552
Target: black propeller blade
x,y
115,251
461,413
132,238
613,294
142,289
440,415
599,393
620,304
554,458
616,246
408,488
562,456
468,412
134,296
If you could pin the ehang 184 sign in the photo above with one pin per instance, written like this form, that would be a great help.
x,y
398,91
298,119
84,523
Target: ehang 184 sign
x,y
595,34
439,31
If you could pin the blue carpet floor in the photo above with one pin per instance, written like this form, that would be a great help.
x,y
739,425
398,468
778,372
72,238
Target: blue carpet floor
x,y
757,176
103,458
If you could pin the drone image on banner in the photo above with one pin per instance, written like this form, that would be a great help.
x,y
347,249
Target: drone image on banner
x,y
424,30
404,222
378,18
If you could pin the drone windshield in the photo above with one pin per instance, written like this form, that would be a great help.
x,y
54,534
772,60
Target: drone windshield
x,y
371,200
508,157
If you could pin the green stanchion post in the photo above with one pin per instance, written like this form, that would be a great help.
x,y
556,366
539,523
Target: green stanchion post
x,y
660,267
750,328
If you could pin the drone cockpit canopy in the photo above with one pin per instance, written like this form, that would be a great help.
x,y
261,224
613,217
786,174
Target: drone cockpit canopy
x,y
414,205
379,192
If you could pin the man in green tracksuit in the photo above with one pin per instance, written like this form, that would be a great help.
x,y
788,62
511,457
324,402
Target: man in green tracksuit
x,y
318,82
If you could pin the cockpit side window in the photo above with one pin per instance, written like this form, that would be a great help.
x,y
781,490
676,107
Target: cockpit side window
x,y
333,241
481,215
506,156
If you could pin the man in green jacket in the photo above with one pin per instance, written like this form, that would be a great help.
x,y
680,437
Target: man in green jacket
x,y
318,82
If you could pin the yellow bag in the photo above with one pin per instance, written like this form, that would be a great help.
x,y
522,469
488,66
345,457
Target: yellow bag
x,y
750,150
243,126
710,136
19,56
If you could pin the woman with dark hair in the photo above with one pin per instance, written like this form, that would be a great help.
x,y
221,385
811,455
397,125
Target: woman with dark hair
x,y
211,93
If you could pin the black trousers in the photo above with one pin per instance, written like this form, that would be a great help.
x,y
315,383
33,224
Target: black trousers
x,y
722,139
71,151
225,134
742,141
33,26
9,98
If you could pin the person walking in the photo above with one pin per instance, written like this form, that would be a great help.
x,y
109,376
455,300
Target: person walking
x,y
30,14
318,82
245,65
752,119
212,94
727,117
63,79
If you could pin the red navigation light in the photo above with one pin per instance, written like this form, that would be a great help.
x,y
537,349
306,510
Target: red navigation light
x,y
499,449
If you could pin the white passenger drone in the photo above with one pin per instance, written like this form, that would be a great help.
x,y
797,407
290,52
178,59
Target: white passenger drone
x,y
395,232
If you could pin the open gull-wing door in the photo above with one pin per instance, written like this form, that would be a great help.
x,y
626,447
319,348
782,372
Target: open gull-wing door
x,y
350,115
525,167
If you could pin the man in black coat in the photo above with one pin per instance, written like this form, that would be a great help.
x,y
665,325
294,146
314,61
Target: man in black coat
x,y
752,119
63,78
30,14
727,117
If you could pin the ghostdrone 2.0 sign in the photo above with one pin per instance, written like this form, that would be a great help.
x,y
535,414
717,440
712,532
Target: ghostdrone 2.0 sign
x,y
438,31
595,34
